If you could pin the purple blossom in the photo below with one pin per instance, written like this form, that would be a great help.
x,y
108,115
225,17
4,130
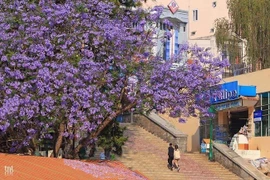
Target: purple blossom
x,y
48,136
181,120
167,22
78,64
155,13
65,134
31,131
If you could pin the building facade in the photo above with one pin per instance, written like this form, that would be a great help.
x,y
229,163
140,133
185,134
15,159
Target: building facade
x,y
250,108
260,117
201,19
192,16
166,48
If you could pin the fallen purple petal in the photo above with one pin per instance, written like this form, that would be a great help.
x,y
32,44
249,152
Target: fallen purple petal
x,y
103,170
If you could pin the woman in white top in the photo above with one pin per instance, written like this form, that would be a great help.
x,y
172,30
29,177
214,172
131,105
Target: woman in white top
x,y
176,157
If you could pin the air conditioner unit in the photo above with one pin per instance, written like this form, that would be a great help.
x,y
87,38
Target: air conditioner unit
x,y
175,66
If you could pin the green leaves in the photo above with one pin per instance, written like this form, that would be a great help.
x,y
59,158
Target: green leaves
x,y
81,8
112,136
249,22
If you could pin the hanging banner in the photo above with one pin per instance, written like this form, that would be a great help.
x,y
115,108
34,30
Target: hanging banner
x,y
257,116
228,105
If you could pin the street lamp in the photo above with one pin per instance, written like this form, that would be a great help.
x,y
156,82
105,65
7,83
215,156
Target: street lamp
x,y
210,155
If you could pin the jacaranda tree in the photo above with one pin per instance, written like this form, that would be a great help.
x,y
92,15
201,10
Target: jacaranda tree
x,y
72,66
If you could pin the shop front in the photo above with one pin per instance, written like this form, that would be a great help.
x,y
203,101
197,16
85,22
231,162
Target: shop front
x,y
235,106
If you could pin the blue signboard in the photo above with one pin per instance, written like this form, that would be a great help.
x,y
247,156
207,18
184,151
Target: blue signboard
x,y
257,116
225,92
231,91
228,105
249,91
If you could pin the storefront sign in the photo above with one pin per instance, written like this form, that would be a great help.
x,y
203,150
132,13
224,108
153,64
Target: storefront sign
x,y
225,92
257,116
228,105
231,91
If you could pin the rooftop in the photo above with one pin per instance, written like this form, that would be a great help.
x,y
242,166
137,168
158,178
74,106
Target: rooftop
x,y
17,167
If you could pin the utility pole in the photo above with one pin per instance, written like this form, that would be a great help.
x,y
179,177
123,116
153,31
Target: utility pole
x,y
211,155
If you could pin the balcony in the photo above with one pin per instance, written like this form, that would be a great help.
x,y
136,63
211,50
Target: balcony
x,y
238,69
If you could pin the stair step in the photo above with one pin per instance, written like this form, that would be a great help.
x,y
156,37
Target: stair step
x,y
147,153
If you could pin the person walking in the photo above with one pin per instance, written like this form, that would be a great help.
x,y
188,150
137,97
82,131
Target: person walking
x,y
170,156
176,156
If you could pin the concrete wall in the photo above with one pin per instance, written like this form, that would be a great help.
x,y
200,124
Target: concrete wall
x,y
207,42
164,132
232,161
183,4
258,78
200,43
207,14
191,128
262,144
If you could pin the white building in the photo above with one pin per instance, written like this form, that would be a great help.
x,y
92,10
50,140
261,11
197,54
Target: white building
x,y
202,15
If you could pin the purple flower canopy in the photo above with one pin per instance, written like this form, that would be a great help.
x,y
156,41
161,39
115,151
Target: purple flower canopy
x,y
73,63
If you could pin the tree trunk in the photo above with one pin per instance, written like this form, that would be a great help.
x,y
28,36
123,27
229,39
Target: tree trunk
x,y
100,128
107,153
93,135
33,144
59,140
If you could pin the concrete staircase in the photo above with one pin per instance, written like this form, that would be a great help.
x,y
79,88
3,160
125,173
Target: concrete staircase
x,y
147,153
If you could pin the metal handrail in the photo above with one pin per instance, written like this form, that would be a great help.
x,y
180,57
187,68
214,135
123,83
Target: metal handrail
x,y
237,69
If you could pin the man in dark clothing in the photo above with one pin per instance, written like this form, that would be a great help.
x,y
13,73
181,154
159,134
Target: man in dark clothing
x,y
170,156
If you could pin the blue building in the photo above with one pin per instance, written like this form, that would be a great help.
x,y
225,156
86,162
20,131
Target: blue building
x,y
168,47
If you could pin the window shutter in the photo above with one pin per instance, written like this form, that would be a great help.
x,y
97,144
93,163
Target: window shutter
x,y
176,45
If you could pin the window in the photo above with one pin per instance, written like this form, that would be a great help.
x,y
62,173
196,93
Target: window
x,y
262,128
184,28
134,25
212,30
164,26
193,33
195,15
214,4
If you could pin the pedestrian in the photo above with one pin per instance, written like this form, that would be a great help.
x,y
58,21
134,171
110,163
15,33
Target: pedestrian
x,y
176,156
170,156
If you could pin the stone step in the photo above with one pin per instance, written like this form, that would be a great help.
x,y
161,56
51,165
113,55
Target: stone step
x,y
147,153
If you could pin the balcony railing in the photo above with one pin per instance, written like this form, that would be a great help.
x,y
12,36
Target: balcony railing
x,y
237,69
